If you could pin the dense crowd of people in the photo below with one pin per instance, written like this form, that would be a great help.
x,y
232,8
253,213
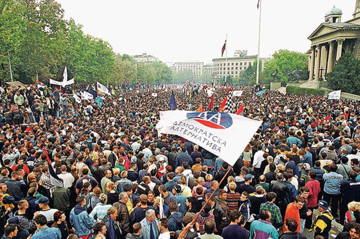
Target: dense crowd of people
x,y
89,170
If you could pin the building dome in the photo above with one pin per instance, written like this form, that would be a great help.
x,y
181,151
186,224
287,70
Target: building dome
x,y
334,11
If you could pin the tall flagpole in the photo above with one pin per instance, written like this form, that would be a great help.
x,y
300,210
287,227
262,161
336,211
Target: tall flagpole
x,y
258,56
226,66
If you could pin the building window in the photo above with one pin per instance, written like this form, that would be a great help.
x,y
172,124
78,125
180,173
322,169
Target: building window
x,y
232,68
232,63
240,63
236,72
237,63
236,68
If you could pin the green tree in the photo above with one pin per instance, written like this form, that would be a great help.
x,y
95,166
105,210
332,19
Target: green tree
x,y
247,77
12,27
181,77
163,73
345,75
285,61
205,78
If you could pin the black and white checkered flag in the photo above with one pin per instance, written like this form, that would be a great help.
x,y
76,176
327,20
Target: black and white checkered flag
x,y
229,103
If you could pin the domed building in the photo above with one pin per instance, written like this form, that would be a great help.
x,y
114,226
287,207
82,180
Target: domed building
x,y
332,39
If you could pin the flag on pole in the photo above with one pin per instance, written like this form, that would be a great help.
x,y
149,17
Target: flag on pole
x,y
211,104
86,95
65,75
222,106
99,101
223,49
39,84
93,92
77,98
54,179
200,109
237,93
57,89
212,131
238,112
335,95
229,102
258,4
101,89
172,102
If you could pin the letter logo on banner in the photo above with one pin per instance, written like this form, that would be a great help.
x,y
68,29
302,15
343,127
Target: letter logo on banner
x,y
212,120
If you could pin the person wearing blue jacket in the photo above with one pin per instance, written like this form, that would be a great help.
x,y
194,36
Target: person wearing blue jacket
x,y
332,185
180,199
80,219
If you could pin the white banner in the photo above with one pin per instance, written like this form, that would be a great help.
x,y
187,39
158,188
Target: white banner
x,y
62,83
102,89
335,95
154,94
225,135
237,93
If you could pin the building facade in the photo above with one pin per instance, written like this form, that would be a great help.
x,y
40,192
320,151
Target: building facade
x,y
331,40
232,66
145,58
195,67
208,69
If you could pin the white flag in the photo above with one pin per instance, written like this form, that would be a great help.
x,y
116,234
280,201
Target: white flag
x,y
154,94
225,135
335,95
86,95
210,93
102,89
77,98
65,76
237,93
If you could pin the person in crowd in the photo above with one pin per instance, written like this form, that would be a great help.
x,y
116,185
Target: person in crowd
x,y
262,228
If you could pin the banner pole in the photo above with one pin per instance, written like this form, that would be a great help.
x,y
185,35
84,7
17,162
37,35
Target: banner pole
x,y
186,229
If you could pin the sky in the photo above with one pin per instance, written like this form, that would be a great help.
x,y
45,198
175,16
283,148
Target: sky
x,y
195,30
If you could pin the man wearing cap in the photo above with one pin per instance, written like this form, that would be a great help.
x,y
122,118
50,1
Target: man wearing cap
x,y
322,223
43,203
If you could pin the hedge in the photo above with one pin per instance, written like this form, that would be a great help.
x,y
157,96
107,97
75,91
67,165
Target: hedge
x,y
295,90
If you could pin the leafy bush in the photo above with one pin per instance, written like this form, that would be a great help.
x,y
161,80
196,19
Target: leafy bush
x,y
345,75
295,90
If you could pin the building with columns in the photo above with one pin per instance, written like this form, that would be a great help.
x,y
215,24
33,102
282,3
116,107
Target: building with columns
x,y
332,39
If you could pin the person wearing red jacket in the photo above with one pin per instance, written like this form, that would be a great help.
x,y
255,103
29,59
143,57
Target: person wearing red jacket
x,y
292,211
314,189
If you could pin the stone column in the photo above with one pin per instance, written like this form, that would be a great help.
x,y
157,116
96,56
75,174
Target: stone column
x,y
317,62
323,61
312,60
339,48
331,57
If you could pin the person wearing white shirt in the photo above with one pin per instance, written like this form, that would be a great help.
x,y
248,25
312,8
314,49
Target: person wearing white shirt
x,y
258,158
67,178
164,227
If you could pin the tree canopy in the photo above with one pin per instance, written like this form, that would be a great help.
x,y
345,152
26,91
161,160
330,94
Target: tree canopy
x,y
40,43
286,61
345,75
